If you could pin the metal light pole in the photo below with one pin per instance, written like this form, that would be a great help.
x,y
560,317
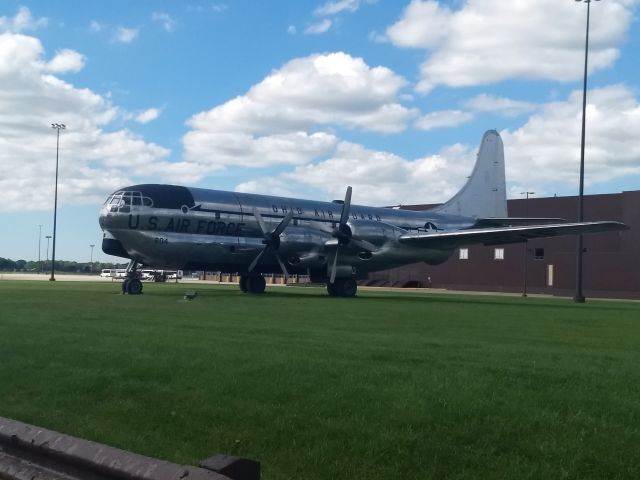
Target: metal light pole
x,y
57,127
48,237
579,296
91,262
39,249
524,257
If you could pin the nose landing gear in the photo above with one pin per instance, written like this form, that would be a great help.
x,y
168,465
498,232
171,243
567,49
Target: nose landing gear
x,y
132,284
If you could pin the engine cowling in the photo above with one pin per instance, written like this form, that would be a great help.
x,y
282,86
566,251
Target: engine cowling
x,y
374,232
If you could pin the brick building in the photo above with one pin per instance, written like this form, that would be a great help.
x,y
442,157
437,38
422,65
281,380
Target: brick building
x,y
611,262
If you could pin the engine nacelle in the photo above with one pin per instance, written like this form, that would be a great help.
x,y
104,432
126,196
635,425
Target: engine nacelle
x,y
375,232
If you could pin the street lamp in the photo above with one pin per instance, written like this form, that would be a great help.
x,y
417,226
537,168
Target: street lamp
x,y
39,249
91,262
57,127
579,296
48,237
524,258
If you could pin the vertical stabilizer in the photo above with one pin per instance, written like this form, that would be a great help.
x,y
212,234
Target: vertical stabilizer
x,y
485,193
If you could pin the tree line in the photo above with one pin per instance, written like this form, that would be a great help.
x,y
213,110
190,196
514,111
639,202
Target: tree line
x,y
33,266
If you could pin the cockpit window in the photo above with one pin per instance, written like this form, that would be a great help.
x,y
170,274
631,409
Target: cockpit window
x,y
123,201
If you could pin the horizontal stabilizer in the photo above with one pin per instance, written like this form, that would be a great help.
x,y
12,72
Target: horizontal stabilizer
x,y
505,235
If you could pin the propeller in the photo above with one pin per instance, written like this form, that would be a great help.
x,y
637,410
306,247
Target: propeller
x,y
344,235
271,240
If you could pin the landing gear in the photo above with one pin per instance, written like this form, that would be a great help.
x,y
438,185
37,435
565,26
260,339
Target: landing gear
x,y
243,283
342,287
132,284
252,283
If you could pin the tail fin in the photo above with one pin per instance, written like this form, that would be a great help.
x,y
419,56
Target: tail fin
x,y
485,193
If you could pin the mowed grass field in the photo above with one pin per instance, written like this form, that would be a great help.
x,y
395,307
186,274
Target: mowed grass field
x,y
383,386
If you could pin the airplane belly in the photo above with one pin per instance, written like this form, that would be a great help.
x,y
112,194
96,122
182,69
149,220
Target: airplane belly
x,y
179,250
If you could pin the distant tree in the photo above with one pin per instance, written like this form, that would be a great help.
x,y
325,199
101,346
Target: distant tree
x,y
32,266
7,264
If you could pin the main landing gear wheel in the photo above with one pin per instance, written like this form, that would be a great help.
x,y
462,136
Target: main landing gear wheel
x,y
342,287
243,284
252,283
132,286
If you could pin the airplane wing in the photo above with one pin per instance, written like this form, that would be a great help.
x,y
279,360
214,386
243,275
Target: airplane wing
x,y
515,221
504,235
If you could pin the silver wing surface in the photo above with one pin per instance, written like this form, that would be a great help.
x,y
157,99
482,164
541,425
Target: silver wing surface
x,y
505,235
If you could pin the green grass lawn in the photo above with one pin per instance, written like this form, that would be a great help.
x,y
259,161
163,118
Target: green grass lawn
x,y
382,386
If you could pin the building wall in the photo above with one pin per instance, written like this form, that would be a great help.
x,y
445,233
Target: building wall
x,y
611,262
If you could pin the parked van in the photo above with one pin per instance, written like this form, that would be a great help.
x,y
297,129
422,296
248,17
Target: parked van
x,y
113,272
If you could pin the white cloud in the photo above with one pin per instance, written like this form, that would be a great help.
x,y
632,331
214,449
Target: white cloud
x,y
164,19
549,143
92,161
543,156
66,61
335,7
21,22
292,30
320,27
287,117
219,7
487,41
502,105
124,35
332,9
148,115
95,26
214,7
424,24
250,151
378,178
443,118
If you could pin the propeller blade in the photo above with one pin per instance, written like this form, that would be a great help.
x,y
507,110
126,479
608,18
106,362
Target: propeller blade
x,y
261,223
346,206
255,260
282,266
364,244
334,267
283,224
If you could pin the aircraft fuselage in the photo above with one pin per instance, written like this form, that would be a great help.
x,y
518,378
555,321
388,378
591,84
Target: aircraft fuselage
x,y
167,226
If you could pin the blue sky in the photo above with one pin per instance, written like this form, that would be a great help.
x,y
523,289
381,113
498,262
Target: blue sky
x,y
304,98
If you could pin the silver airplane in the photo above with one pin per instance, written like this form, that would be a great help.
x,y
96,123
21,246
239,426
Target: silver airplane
x,y
175,227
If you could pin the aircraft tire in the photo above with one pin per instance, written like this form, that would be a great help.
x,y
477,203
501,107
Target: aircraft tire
x,y
332,289
348,287
125,286
256,284
134,287
244,283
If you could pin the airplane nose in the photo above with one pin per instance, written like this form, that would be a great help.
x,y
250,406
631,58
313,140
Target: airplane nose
x,y
113,246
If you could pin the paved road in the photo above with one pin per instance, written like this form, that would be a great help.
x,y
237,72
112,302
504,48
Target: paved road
x,y
63,277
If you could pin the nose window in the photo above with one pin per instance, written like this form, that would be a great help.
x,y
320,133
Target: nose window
x,y
123,201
